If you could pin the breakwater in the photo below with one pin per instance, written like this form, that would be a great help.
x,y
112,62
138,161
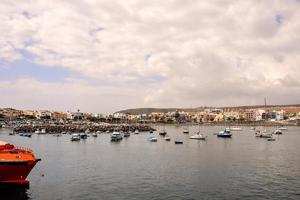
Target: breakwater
x,y
72,128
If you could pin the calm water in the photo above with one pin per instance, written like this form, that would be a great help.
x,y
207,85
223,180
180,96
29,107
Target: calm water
x,y
243,167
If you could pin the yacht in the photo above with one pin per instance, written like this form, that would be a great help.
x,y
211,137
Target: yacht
x,y
198,136
75,137
116,136
225,133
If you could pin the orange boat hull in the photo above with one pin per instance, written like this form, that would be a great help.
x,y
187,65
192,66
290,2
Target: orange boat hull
x,y
16,172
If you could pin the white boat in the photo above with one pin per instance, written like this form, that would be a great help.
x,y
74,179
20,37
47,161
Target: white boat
x,y
185,131
116,136
37,131
263,134
282,128
75,137
43,131
126,134
225,134
167,138
198,136
152,139
94,135
136,131
235,128
278,132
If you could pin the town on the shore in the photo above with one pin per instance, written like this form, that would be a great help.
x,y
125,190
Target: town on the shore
x,y
260,115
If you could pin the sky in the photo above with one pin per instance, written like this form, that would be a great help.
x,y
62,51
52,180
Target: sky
x,y
102,56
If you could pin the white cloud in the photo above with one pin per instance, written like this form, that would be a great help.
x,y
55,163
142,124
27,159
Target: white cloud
x,y
205,52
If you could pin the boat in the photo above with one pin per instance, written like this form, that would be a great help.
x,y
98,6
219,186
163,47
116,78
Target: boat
x,y
151,131
178,142
252,128
152,139
263,134
94,135
225,133
198,136
75,137
37,132
43,131
185,131
136,131
116,136
11,133
167,138
83,135
126,134
15,164
278,132
98,132
235,128
271,139
282,128
27,135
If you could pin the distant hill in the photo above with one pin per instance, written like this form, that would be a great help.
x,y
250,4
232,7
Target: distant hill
x,y
137,111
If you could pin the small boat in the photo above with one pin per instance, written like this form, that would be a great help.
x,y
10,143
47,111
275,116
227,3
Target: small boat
x,y
252,128
278,132
152,139
126,134
27,135
37,132
263,134
98,132
15,164
116,136
178,142
43,131
75,137
11,133
186,131
198,136
282,128
83,136
236,128
167,138
151,131
225,134
58,135
271,139
94,135
136,131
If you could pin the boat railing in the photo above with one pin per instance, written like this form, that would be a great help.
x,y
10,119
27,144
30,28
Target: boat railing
x,y
24,148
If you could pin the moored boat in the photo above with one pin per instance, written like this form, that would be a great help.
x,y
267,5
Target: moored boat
x,y
178,142
126,134
116,136
15,164
152,139
75,137
198,136
278,132
225,133
235,128
167,138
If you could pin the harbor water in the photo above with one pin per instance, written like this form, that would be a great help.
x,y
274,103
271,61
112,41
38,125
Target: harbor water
x,y
241,167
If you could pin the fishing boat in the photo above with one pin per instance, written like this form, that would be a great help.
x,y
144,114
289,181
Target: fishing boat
x,y
152,139
15,164
116,136
75,137
225,133
198,136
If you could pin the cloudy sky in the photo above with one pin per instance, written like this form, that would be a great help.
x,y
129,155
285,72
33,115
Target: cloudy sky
x,y
107,55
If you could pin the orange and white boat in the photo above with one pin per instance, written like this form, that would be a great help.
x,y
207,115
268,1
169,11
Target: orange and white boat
x,y
15,164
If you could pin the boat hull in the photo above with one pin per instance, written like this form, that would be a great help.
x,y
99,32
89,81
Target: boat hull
x,y
16,172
